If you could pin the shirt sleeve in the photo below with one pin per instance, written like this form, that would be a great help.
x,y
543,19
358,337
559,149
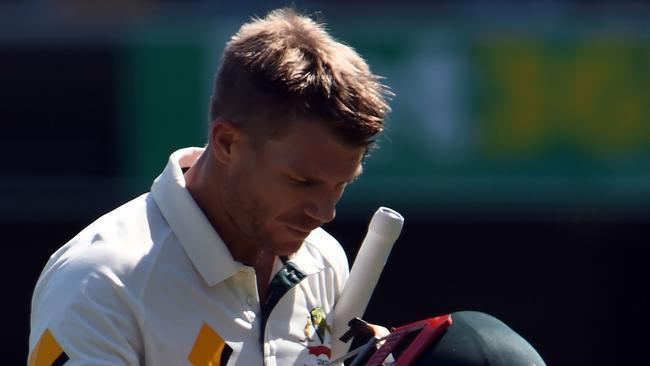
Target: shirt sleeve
x,y
83,315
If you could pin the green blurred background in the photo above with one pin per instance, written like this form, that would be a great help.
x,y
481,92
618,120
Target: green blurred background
x,y
518,148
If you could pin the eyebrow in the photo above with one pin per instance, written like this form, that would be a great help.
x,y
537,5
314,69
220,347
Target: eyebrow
x,y
307,177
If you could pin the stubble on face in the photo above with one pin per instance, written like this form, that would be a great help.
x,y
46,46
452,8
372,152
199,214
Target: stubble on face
x,y
250,216
261,218
271,188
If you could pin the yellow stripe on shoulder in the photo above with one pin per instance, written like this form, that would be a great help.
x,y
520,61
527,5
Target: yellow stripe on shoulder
x,y
47,352
209,349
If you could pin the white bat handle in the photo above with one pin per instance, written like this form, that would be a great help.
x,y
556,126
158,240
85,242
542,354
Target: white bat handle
x,y
383,231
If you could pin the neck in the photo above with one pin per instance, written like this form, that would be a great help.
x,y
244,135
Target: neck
x,y
263,268
206,186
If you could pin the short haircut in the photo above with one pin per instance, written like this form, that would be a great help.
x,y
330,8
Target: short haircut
x,y
286,67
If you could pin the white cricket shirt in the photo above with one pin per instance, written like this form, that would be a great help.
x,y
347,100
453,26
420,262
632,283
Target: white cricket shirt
x,y
152,283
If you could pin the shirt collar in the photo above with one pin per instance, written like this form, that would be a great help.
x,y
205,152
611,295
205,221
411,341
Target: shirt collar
x,y
201,242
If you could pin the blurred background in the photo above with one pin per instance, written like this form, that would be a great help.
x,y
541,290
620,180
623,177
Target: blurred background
x,y
518,150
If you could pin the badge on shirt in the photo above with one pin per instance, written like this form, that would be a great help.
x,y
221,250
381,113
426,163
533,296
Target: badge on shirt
x,y
47,352
318,334
209,349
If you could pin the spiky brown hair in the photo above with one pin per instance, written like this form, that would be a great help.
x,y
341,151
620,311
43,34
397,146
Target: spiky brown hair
x,y
286,67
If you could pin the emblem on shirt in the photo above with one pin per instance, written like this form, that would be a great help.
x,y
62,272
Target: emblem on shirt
x,y
318,333
209,349
47,352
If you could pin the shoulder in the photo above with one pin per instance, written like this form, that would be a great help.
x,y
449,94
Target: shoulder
x,y
116,249
120,238
93,285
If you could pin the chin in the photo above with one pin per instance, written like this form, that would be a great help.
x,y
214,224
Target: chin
x,y
285,241
286,248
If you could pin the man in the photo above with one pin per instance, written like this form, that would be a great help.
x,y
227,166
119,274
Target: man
x,y
223,262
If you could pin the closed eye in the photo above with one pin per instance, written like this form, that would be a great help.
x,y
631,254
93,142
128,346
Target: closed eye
x,y
310,182
300,182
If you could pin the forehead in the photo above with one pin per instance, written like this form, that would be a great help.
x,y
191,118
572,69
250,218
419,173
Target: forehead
x,y
310,149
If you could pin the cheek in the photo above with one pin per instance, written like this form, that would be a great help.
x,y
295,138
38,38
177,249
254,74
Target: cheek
x,y
268,200
286,204
246,199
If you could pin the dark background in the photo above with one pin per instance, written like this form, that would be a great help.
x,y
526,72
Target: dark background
x,y
569,276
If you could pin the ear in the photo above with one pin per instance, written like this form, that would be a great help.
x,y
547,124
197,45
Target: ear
x,y
223,136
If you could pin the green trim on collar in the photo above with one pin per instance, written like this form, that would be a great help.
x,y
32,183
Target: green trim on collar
x,y
283,281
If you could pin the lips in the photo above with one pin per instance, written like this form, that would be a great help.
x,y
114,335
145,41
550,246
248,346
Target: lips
x,y
299,230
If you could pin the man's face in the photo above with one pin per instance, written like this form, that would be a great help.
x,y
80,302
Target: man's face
x,y
290,186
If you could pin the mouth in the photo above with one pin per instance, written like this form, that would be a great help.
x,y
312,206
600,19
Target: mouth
x,y
298,230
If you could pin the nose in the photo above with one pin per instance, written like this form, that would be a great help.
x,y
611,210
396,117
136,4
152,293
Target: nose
x,y
322,209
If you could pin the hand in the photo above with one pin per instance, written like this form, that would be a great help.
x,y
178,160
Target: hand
x,y
377,330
